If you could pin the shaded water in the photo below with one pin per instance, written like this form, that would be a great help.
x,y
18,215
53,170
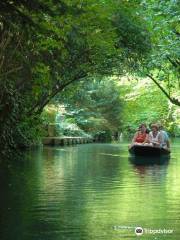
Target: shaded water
x,y
88,192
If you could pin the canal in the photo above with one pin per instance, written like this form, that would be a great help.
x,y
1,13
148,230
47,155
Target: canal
x,y
89,192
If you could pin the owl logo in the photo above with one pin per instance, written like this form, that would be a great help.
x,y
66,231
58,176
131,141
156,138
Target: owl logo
x,y
139,231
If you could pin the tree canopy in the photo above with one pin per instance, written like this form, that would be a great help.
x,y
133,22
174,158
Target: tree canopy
x,y
163,64
48,45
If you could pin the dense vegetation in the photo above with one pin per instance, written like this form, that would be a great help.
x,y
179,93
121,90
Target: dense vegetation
x,y
147,104
163,64
94,107
75,53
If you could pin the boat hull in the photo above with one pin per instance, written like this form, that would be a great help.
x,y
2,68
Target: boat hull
x,y
149,151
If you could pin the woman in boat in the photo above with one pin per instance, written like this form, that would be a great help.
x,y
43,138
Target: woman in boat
x,y
155,138
140,136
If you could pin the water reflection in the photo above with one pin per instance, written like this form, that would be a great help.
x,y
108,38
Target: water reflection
x,y
82,192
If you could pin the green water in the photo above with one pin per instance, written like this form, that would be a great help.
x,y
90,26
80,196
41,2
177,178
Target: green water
x,y
89,192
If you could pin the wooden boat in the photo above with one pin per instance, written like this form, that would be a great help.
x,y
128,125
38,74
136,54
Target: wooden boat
x,y
149,151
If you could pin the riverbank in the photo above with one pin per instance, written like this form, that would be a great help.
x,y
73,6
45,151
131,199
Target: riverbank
x,y
62,141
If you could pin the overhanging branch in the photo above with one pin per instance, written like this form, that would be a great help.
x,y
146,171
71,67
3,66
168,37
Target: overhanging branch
x,y
39,106
174,101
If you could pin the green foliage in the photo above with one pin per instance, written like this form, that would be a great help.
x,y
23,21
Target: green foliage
x,y
88,108
95,106
46,46
173,121
133,34
144,103
163,64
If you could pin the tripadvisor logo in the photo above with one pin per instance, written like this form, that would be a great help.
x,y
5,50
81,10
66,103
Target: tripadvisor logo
x,y
139,231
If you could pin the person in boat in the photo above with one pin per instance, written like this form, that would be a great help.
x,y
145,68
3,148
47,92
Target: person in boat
x,y
155,137
140,136
165,142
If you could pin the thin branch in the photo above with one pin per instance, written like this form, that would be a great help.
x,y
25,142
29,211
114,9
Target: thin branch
x,y
41,104
57,91
11,71
175,63
174,101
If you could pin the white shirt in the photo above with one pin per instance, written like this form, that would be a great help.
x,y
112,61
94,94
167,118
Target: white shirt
x,y
154,139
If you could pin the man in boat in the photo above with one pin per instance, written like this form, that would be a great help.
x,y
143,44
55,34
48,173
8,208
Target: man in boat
x,y
155,138
165,143
141,136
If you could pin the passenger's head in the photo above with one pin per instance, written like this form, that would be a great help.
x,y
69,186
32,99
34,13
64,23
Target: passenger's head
x,y
143,127
154,127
